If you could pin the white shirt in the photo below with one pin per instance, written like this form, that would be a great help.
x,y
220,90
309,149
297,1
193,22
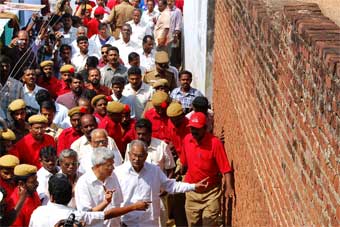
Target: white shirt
x,y
61,115
142,96
125,49
89,192
50,214
147,61
29,97
150,18
79,61
93,51
43,176
69,36
145,186
139,31
158,154
82,146
95,38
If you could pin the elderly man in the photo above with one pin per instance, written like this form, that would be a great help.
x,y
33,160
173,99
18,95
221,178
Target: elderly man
x,y
204,156
26,177
60,191
83,145
98,189
139,28
134,189
99,138
27,149
10,88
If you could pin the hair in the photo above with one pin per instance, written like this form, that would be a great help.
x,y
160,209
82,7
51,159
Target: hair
x,y
101,26
92,62
67,153
42,95
144,123
132,56
99,130
47,152
201,103
118,80
65,47
96,69
28,67
145,38
82,38
106,45
185,72
76,20
138,143
77,76
136,9
88,115
60,188
48,104
66,15
134,70
5,59
113,48
153,1
100,155
89,94
165,2
127,25
82,28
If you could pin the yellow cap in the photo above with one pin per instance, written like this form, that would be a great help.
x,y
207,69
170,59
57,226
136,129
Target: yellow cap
x,y
77,109
46,63
115,107
17,104
24,170
67,69
8,135
160,82
161,57
88,7
36,119
96,98
160,98
9,161
175,109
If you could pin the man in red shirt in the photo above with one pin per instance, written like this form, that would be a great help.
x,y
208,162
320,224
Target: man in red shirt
x,y
27,149
157,116
66,72
69,135
128,126
48,80
93,83
204,156
7,165
26,177
93,24
99,103
111,123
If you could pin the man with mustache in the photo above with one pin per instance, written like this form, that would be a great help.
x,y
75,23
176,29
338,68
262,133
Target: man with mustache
x,y
7,164
48,79
66,72
185,94
93,83
70,99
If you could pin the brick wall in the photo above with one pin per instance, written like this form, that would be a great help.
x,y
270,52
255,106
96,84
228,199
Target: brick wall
x,y
277,98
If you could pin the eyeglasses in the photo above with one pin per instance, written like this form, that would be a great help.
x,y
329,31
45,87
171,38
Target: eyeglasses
x,y
101,142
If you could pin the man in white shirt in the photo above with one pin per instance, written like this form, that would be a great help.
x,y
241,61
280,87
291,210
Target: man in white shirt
x,y
82,31
147,55
79,59
125,44
68,31
99,138
103,37
60,190
98,189
137,88
140,180
150,15
139,28
31,88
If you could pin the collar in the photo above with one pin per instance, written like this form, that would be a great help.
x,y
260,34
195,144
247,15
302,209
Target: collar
x,y
84,141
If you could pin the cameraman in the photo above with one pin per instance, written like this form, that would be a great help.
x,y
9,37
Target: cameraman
x,y
60,190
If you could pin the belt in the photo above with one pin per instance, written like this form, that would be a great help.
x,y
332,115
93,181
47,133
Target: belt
x,y
209,188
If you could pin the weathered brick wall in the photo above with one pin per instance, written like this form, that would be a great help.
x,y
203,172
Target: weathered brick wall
x,y
277,97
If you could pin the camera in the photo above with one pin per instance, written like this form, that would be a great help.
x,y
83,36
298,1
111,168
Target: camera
x,y
71,222
20,42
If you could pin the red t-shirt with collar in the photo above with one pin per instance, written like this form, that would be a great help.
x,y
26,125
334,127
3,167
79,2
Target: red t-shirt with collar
x,y
98,117
66,138
177,135
113,129
63,88
159,124
92,27
203,160
52,85
128,135
30,204
27,149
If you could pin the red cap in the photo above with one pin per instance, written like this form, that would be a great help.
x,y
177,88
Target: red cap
x,y
99,11
197,120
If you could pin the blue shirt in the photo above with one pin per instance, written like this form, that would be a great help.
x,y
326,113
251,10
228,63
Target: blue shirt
x,y
185,98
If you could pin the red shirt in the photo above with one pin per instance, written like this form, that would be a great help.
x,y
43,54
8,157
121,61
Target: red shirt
x,y
98,117
52,85
113,129
30,204
9,187
159,125
27,149
177,135
66,138
92,27
206,159
102,90
63,88
129,134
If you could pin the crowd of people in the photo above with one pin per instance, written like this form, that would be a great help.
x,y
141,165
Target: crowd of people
x,y
100,125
